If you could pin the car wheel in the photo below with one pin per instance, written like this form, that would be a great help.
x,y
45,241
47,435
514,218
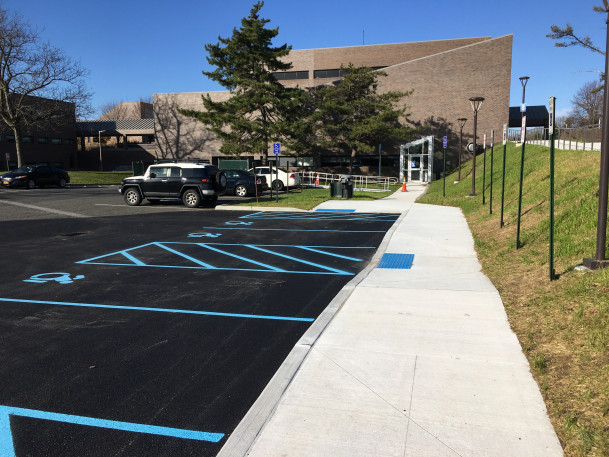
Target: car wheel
x,y
277,185
241,191
191,198
222,181
31,184
61,182
132,196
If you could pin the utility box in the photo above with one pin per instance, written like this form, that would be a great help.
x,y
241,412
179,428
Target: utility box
x,y
137,168
225,164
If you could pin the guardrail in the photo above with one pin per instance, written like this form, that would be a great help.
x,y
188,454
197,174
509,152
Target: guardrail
x,y
585,138
360,182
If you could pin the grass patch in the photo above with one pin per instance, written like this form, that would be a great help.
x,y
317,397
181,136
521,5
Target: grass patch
x,y
98,177
563,325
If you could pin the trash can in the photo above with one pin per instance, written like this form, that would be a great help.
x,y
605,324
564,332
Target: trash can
x,y
346,182
335,189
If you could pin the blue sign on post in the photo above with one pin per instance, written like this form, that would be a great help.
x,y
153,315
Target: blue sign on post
x,y
445,142
276,148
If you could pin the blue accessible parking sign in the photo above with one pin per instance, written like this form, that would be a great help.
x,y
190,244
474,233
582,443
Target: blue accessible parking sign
x,y
276,148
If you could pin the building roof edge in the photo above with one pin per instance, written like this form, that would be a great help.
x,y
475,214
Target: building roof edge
x,y
485,38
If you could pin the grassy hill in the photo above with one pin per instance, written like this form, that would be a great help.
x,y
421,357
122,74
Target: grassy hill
x,y
562,325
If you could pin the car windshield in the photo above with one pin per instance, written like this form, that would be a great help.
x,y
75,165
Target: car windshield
x,y
24,169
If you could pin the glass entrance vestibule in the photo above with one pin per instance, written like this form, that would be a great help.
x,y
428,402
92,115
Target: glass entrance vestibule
x,y
416,160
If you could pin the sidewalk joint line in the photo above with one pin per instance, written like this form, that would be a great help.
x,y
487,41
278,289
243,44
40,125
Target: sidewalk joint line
x,y
407,416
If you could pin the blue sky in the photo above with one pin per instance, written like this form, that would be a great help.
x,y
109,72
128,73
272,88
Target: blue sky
x,y
134,48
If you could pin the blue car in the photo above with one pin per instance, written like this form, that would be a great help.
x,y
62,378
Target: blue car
x,y
242,183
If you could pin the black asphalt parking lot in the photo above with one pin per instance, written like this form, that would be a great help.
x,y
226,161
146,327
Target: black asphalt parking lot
x,y
153,333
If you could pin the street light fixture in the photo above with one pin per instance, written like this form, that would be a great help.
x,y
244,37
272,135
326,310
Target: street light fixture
x,y
462,121
523,139
476,104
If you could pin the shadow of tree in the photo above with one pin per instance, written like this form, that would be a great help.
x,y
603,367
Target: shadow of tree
x,y
178,137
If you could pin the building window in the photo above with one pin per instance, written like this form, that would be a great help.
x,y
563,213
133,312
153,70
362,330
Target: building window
x,y
333,73
332,161
284,75
28,139
55,140
43,140
10,138
70,141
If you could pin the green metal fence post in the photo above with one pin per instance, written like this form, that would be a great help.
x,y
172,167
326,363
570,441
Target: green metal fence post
x,y
551,131
484,173
491,190
503,171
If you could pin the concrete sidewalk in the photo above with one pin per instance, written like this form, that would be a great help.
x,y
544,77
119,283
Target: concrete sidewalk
x,y
405,362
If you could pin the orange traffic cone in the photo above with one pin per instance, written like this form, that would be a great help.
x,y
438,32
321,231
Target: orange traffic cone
x,y
404,185
317,181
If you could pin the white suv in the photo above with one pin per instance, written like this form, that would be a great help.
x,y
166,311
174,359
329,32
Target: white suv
x,y
278,183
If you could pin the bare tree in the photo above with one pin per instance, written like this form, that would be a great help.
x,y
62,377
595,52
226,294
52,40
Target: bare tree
x,y
38,82
588,104
177,136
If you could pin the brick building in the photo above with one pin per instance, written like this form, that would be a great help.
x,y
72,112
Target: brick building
x,y
443,75
52,141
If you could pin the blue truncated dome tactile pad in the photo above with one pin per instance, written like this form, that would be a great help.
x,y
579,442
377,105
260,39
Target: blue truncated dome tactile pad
x,y
396,261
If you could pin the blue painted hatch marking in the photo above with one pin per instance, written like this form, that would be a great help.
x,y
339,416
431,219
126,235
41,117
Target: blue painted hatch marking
x,y
158,310
248,259
7,448
396,261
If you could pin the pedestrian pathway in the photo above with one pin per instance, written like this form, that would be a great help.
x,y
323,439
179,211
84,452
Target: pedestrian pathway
x,y
417,361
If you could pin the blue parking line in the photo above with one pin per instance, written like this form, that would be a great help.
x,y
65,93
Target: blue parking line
x,y
294,230
7,448
158,310
330,210
316,216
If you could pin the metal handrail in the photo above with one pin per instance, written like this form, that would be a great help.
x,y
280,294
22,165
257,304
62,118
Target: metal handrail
x,y
360,182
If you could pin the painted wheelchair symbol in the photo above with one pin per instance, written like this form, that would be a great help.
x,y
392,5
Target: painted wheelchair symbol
x,y
61,278
204,234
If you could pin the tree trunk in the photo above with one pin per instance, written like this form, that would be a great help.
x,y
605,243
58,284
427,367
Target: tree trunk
x,y
352,159
18,143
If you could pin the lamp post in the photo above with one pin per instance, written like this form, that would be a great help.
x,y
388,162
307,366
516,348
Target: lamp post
x,y
600,260
476,104
523,139
462,121
99,132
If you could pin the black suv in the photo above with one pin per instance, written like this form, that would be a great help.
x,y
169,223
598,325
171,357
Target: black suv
x,y
193,183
